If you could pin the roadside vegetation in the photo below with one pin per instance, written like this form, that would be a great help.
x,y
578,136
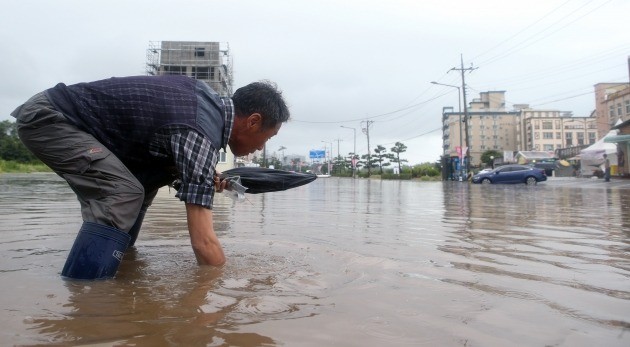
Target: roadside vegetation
x,y
383,163
15,167
14,156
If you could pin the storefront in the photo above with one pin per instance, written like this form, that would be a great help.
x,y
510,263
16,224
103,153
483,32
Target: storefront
x,y
622,139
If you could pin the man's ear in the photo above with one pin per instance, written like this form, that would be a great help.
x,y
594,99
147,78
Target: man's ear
x,y
254,120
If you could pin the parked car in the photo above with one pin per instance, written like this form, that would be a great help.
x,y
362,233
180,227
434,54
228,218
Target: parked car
x,y
512,174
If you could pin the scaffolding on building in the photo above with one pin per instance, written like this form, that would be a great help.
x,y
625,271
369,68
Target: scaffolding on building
x,y
210,62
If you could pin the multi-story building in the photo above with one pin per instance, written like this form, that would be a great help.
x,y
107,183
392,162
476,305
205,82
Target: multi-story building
x,y
548,130
492,127
612,103
205,61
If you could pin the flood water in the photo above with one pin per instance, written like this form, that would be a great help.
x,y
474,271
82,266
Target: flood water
x,y
338,262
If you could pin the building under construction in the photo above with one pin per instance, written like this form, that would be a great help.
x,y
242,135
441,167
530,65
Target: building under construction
x,y
206,61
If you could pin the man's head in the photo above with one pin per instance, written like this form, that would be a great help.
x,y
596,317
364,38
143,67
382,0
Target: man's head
x,y
259,112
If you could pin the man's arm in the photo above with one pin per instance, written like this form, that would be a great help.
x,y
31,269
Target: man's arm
x,y
204,241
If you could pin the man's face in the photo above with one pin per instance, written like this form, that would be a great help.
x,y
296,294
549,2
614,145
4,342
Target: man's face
x,y
248,135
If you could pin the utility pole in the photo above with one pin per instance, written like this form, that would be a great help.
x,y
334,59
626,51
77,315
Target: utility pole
x,y
264,158
366,131
461,172
354,150
466,118
282,148
338,155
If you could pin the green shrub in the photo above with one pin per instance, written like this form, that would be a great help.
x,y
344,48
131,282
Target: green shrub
x,y
391,176
15,167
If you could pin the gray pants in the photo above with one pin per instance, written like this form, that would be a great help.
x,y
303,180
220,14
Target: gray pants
x,y
107,190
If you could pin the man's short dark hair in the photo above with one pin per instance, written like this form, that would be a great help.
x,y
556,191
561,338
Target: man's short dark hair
x,y
261,97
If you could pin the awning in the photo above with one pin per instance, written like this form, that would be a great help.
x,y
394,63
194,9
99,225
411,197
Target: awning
x,y
617,138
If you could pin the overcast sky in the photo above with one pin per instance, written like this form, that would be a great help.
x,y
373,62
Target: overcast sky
x,y
338,62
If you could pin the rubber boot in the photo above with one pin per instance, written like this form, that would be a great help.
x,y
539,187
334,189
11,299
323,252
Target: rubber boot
x,y
96,253
135,229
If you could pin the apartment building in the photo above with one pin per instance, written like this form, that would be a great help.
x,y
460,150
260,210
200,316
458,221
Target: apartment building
x,y
548,130
206,61
492,127
612,103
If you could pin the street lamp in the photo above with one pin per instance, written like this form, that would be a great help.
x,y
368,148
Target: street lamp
x,y
282,148
354,151
462,167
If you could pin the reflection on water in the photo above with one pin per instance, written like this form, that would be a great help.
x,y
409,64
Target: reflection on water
x,y
337,262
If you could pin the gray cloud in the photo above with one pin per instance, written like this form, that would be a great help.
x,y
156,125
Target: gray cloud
x,y
337,61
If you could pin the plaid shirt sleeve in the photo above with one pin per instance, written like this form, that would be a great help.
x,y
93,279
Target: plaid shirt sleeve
x,y
195,160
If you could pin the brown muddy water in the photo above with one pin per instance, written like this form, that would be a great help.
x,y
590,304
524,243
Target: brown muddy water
x,y
338,262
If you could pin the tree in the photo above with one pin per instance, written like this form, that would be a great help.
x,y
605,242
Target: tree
x,y
485,157
398,148
11,148
275,162
296,164
368,161
380,157
425,169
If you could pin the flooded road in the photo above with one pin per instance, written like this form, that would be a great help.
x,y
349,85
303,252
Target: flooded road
x,y
337,262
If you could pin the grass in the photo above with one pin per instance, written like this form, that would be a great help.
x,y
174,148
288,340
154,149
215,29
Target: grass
x,y
8,166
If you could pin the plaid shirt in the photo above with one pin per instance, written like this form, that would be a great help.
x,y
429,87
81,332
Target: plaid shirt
x,y
195,157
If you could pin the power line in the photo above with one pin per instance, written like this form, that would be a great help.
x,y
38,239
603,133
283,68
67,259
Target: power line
x,y
521,31
414,137
560,69
372,117
517,48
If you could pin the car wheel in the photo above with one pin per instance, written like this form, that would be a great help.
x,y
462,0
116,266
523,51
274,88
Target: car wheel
x,y
486,181
530,181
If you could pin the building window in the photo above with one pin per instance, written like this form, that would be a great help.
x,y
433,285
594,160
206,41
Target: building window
x,y
536,124
201,72
200,52
536,136
611,110
547,125
222,157
627,106
619,109
558,125
548,148
174,70
558,135
548,135
569,142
